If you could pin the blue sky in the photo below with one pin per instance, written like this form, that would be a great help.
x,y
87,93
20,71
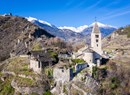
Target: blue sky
x,y
71,12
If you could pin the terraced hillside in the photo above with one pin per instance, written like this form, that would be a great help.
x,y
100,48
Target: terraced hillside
x,y
13,28
117,81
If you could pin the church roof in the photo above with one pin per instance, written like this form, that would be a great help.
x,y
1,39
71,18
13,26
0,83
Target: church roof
x,y
83,48
96,28
88,50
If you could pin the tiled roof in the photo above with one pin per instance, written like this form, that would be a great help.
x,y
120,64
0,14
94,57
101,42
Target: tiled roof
x,y
42,56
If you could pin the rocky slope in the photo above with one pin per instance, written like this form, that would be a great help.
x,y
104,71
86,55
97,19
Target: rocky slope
x,y
13,28
117,45
118,41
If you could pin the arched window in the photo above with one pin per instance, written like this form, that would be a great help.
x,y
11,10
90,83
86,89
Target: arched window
x,y
97,36
96,40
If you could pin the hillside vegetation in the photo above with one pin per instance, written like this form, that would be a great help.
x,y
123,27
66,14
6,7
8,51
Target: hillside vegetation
x,y
124,31
117,81
13,28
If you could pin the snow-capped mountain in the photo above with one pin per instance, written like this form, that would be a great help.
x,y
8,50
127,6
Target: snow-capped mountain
x,y
73,34
62,33
102,25
75,29
104,28
47,26
86,29
33,20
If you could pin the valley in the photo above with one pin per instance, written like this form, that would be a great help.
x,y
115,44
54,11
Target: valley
x,y
38,58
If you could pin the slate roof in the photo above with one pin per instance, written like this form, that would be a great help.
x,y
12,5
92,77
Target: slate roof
x,y
42,56
88,50
96,28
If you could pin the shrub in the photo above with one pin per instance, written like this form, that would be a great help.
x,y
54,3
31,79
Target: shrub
x,y
34,93
6,88
114,83
95,72
36,47
47,93
78,61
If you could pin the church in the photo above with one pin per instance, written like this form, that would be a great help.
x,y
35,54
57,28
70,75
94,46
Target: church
x,y
92,54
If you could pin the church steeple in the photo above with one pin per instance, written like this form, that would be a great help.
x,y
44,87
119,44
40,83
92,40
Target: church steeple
x,y
96,28
96,43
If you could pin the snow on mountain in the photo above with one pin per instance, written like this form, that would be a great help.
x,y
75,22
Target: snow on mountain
x,y
75,29
31,19
104,28
72,33
86,27
101,25
52,29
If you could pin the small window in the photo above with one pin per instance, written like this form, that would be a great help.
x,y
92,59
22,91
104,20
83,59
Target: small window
x,y
97,36
97,45
62,70
96,40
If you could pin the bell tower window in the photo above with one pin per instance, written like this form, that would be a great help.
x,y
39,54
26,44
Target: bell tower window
x,y
97,36
96,40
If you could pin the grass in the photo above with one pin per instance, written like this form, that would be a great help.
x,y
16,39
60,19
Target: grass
x,y
47,93
20,65
1,74
48,71
36,47
76,92
5,87
25,82
34,93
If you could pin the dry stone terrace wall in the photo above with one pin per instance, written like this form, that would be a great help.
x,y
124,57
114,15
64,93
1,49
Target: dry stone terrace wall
x,y
27,90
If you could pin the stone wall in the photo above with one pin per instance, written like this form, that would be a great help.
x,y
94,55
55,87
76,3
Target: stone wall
x,y
88,57
27,90
91,83
62,74
34,66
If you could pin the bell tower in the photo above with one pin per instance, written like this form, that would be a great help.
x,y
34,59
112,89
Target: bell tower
x,y
96,43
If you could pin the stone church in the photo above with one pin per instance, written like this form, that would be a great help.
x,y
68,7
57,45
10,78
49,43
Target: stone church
x,y
92,54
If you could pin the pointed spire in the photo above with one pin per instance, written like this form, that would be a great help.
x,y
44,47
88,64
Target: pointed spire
x,y
95,27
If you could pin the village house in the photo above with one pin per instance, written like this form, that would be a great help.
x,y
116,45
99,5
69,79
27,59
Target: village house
x,y
39,59
64,73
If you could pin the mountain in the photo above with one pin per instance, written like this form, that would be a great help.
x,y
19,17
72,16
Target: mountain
x,y
65,34
86,30
14,28
72,34
75,29
47,26
104,28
